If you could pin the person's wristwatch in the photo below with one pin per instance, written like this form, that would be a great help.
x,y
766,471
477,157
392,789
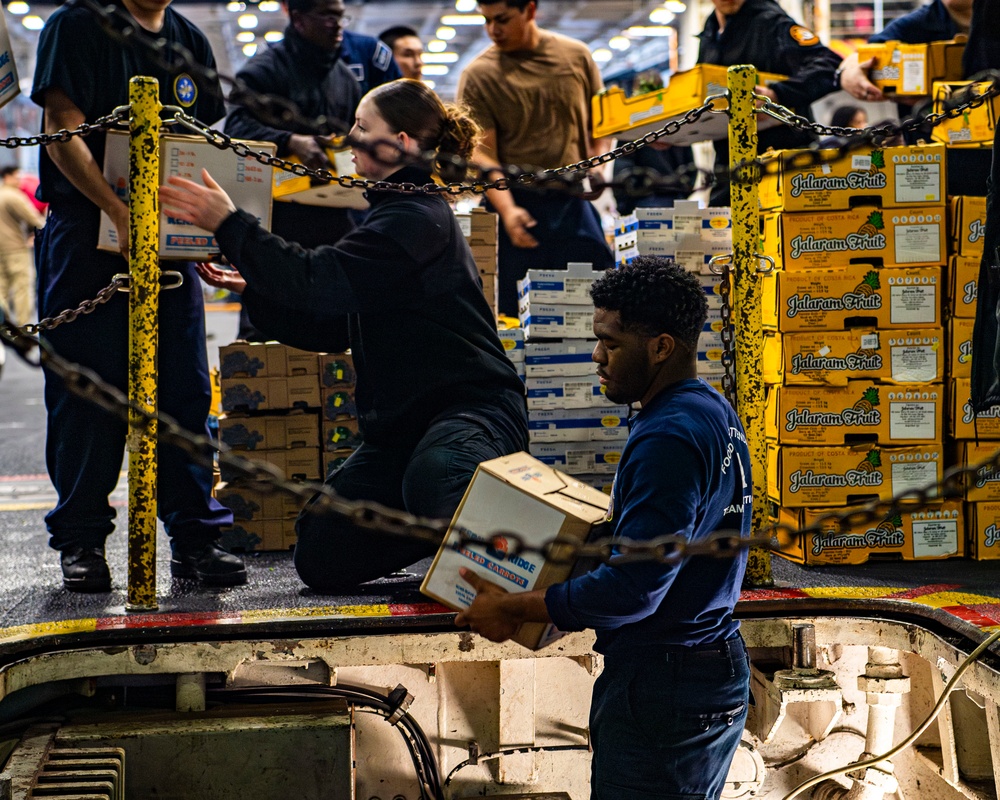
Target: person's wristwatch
x,y
839,74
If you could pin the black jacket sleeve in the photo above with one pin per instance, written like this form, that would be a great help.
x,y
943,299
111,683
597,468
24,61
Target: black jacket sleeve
x,y
809,65
258,79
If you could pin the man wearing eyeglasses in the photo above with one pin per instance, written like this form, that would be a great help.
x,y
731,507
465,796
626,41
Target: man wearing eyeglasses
x,y
531,91
306,69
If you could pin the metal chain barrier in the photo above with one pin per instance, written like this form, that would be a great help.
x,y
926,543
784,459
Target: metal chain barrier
x,y
667,549
728,333
86,307
120,114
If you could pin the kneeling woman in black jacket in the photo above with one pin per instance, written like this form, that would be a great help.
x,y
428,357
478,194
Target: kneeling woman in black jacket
x,y
435,393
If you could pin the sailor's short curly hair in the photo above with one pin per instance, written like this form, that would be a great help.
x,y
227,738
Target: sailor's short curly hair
x,y
654,295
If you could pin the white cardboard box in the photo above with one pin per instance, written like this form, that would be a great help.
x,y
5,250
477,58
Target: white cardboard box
x,y
246,181
9,85
578,424
520,495
568,358
570,286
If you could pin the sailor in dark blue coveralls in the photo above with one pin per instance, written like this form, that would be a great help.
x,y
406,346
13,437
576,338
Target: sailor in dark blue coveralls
x,y
369,60
81,75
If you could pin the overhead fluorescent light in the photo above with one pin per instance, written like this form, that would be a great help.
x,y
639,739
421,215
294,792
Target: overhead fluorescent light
x,y
18,7
602,55
465,6
245,36
247,20
236,7
676,6
249,50
440,58
463,19
33,22
436,46
638,31
274,36
444,32
619,43
661,16
269,5
434,69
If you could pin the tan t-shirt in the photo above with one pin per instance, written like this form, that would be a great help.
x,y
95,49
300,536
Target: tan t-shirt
x,y
537,101
17,217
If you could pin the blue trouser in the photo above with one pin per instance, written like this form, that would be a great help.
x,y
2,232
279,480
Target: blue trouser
x,y
568,229
85,445
666,723
333,555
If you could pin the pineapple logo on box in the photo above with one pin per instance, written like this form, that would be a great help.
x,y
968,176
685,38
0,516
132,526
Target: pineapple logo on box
x,y
887,534
865,474
867,237
991,536
863,412
864,297
856,179
862,361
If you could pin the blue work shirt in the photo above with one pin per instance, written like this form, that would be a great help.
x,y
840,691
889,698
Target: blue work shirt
x,y
930,23
369,60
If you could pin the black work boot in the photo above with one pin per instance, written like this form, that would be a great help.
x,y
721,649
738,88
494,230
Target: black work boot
x,y
208,563
85,570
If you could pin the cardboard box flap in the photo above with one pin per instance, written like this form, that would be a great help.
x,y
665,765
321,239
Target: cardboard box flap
x,y
523,471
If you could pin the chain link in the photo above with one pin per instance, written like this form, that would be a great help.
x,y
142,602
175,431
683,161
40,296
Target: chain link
x,y
666,549
727,333
120,114
86,307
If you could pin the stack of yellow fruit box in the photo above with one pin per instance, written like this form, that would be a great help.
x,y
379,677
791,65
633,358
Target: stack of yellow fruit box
x,y
854,352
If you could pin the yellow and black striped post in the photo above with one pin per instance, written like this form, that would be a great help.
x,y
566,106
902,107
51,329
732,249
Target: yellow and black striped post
x,y
747,304
144,272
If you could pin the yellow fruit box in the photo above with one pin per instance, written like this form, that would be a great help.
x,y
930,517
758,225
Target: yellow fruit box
x,y
911,69
889,178
891,237
960,347
984,531
832,299
984,484
615,114
807,477
968,225
975,126
291,188
913,355
964,423
933,533
963,286
862,411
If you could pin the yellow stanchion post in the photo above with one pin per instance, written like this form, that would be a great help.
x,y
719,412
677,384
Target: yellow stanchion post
x,y
144,271
747,304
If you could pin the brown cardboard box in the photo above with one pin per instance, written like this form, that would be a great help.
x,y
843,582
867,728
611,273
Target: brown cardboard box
x,y
245,432
963,286
968,225
337,369
890,237
888,177
270,394
903,69
985,484
931,534
960,347
984,530
259,535
835,357
341,433
832,299
300,463
965,424
810,477
251,503
483,226
265,360
338,403
515,493
861,411
334,458
490,289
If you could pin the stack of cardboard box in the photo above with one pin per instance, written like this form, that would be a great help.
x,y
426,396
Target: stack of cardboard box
x,y
977,437
854,353
572,426
270,400
340,435
691,236
480,229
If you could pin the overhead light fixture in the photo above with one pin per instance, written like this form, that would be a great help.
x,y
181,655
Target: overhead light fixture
x,y
446,33
463,19
273,36
677,6
602,55
619,43
245,36
440,58
436,46
33,22
465,6
247,21
435,69
249,50
640,31
429,84
236,7
269,5
18,7
661,16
